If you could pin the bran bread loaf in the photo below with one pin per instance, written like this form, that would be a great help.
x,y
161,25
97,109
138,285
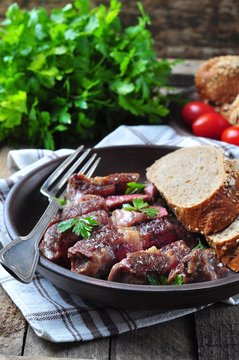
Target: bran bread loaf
x,y
217,79
226,245
200,185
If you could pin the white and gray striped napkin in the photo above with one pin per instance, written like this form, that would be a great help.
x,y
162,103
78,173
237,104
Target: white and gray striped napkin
x,y
56,315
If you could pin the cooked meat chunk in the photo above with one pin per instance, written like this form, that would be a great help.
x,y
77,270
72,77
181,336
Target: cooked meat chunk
x,y
150,190
79,185
54,245
128,242
137,266
178,249
121,217
119,180
116,201
199,265
86,205
94,256
163,231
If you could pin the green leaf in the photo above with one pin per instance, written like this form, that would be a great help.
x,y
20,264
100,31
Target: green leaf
x,y
133,187
16,102
82,104
65,225
61,201
178,280
199,246
154,279
48,140
38,63
92,24
80,226
122,87
141,206
64,116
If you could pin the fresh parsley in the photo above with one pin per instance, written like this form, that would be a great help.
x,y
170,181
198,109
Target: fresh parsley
x,y
154,279
80,226
139,205
72,69
134,187
199,246
61,201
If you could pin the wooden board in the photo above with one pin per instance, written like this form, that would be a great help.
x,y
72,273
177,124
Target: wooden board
x,y
181,28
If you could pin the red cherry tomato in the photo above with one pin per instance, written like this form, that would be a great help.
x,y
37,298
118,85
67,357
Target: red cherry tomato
x,y
231,135
210,125
194,109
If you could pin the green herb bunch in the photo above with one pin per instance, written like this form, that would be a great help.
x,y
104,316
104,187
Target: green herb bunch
x,y
76,70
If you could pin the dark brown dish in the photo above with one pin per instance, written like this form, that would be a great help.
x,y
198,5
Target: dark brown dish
x,y
25,204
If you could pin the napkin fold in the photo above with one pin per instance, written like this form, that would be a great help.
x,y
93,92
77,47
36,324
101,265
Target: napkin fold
x,y
59,316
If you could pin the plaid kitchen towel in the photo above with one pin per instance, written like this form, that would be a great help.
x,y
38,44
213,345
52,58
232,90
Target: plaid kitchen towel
x,y
56,315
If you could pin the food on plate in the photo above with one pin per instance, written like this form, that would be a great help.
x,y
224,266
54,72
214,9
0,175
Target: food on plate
x,y
200,185
225,244
231,135
118,228
173,264
210,125
192,110
217,79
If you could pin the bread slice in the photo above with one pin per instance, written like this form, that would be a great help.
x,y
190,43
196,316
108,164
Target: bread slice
x,y
200,185
226,245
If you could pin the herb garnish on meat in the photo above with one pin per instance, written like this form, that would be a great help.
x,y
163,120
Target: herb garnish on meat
x,y
199,246
141,206
162,280
80,226
134,187
61,201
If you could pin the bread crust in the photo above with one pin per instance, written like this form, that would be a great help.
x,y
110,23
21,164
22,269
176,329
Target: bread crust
x,y
215,212
227,251
231,111
212,215
217,79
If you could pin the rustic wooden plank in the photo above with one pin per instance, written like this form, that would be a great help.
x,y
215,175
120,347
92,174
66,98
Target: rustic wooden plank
x,y
36,357
178,27
97,349
167,341
217,330
12,327
180,31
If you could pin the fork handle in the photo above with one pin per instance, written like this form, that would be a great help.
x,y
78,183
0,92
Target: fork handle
x,y
13,256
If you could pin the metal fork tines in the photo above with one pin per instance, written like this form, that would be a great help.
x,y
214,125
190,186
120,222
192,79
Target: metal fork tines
x,y
20,257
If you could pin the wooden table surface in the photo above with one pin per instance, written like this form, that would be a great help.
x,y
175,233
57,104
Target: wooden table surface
x,y
211,333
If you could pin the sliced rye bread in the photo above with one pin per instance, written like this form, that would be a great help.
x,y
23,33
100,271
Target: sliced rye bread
x,y
226,245
200,185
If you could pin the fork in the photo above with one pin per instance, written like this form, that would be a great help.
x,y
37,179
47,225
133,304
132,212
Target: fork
x,y
20,257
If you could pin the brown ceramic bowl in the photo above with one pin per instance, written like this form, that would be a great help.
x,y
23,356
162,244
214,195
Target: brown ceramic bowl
x,y
25,204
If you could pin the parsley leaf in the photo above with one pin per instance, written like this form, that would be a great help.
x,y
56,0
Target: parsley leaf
x,y
199,246
80,226
154,279
178,280
141,206
134,187
61,201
